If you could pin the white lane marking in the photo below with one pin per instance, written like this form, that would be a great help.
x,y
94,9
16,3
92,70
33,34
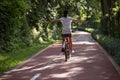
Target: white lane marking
x,y
47,66
35,76
38,75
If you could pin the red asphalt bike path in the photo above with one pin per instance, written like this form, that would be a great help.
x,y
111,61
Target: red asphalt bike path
x,y
89,62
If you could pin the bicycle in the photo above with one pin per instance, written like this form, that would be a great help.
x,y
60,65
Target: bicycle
x,y
67,51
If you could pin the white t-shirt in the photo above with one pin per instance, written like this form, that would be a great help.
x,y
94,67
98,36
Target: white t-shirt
x,y
66,22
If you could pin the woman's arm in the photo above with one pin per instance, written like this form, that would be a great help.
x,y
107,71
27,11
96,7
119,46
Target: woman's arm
x,y
75,20
56,20
84,22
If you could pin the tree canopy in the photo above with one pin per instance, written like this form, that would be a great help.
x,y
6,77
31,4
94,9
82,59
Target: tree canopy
x,y
25,22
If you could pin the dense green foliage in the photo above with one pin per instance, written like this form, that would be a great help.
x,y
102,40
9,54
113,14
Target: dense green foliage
x,y
25,22
12,23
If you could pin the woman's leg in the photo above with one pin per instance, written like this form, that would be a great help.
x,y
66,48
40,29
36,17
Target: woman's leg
x,y
63,39
70,43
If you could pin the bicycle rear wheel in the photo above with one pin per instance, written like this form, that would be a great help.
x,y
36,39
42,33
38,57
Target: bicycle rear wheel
x,y
66,51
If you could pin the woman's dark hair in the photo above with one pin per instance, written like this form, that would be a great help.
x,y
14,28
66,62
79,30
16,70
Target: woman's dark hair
x,y
65,13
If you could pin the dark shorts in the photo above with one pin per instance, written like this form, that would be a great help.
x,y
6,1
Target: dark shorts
x,y
66,35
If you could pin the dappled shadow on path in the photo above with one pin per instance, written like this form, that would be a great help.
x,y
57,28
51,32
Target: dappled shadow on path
x,y
87,63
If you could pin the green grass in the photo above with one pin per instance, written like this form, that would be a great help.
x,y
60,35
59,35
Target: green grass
x,y
10,60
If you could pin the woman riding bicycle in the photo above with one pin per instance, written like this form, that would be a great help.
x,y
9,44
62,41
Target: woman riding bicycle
x,y
66,29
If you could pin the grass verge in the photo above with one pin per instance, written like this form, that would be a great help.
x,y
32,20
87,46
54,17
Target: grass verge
x,y
10,60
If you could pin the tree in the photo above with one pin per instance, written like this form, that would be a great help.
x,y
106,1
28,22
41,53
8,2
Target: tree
x,y
110,10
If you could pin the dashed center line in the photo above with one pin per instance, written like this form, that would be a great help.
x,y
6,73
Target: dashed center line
x,y
45,67
35,76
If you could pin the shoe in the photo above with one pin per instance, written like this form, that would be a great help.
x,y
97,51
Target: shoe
x,y
73,51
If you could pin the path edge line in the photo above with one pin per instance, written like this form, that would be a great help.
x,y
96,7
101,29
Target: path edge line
x,y
111,60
